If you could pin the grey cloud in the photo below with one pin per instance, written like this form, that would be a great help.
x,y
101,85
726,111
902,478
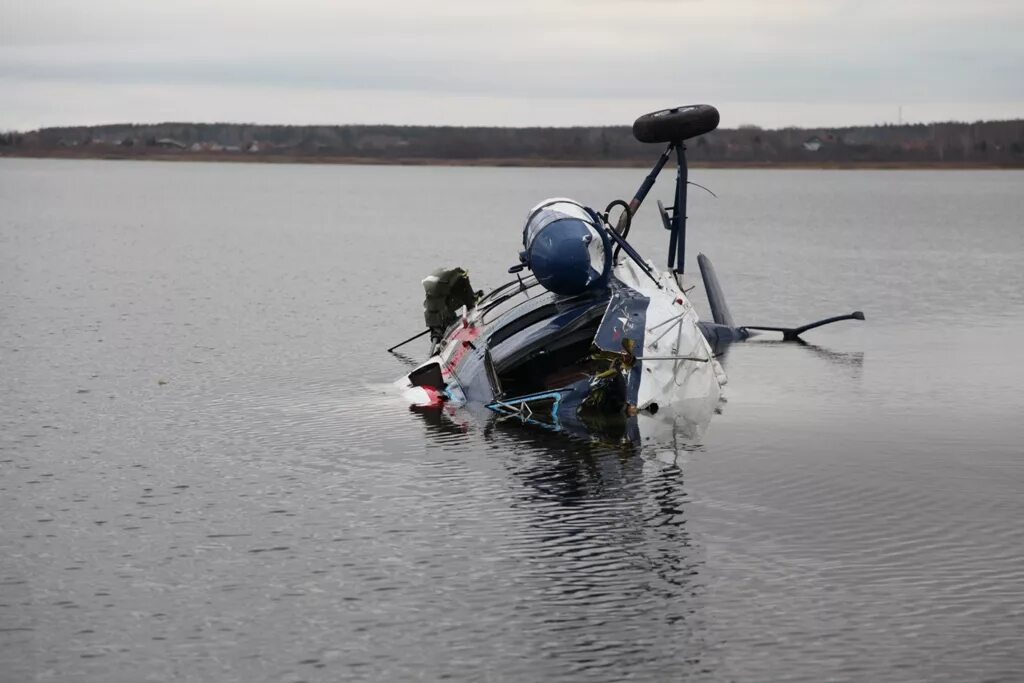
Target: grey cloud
x,y
790,76
827,51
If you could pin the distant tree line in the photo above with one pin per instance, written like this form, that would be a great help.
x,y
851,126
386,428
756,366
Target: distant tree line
x,y
983,142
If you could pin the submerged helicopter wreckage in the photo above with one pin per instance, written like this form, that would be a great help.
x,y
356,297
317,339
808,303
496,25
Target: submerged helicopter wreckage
x,y
595,337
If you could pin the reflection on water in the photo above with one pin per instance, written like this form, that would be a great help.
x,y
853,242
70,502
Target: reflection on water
x,y
847,359
599,534
205,473
406,360
853,360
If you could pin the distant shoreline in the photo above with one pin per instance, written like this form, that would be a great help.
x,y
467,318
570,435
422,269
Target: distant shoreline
x,y
246,157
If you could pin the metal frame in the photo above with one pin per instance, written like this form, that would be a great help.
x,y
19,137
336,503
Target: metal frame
x,y
677,256
677,237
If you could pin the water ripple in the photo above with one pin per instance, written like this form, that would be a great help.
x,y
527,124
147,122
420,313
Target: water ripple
x,y
205,473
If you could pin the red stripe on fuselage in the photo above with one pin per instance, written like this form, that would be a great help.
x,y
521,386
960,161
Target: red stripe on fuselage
x,y
458,346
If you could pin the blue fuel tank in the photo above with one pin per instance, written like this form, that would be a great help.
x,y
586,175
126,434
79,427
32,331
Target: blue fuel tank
x,y
567,252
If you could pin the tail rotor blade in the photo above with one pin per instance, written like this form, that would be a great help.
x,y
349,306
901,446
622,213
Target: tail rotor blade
x,y
793,333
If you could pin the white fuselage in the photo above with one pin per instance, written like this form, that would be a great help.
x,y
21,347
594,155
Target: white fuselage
x,y
681,381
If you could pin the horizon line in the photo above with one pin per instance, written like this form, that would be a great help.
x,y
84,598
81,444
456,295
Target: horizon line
x,y
742,126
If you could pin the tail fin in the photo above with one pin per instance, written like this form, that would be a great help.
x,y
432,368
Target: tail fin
x,y
719,309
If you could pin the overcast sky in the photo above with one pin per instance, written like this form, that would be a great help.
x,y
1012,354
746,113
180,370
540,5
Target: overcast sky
x,y
520,62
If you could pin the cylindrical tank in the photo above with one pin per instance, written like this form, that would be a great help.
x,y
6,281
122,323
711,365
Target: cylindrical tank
x,y
567,252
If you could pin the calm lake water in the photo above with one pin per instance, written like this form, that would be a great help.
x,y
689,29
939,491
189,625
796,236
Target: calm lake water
x,y
205,475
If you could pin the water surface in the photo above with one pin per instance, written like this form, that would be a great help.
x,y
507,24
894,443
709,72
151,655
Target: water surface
x,y
206,475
